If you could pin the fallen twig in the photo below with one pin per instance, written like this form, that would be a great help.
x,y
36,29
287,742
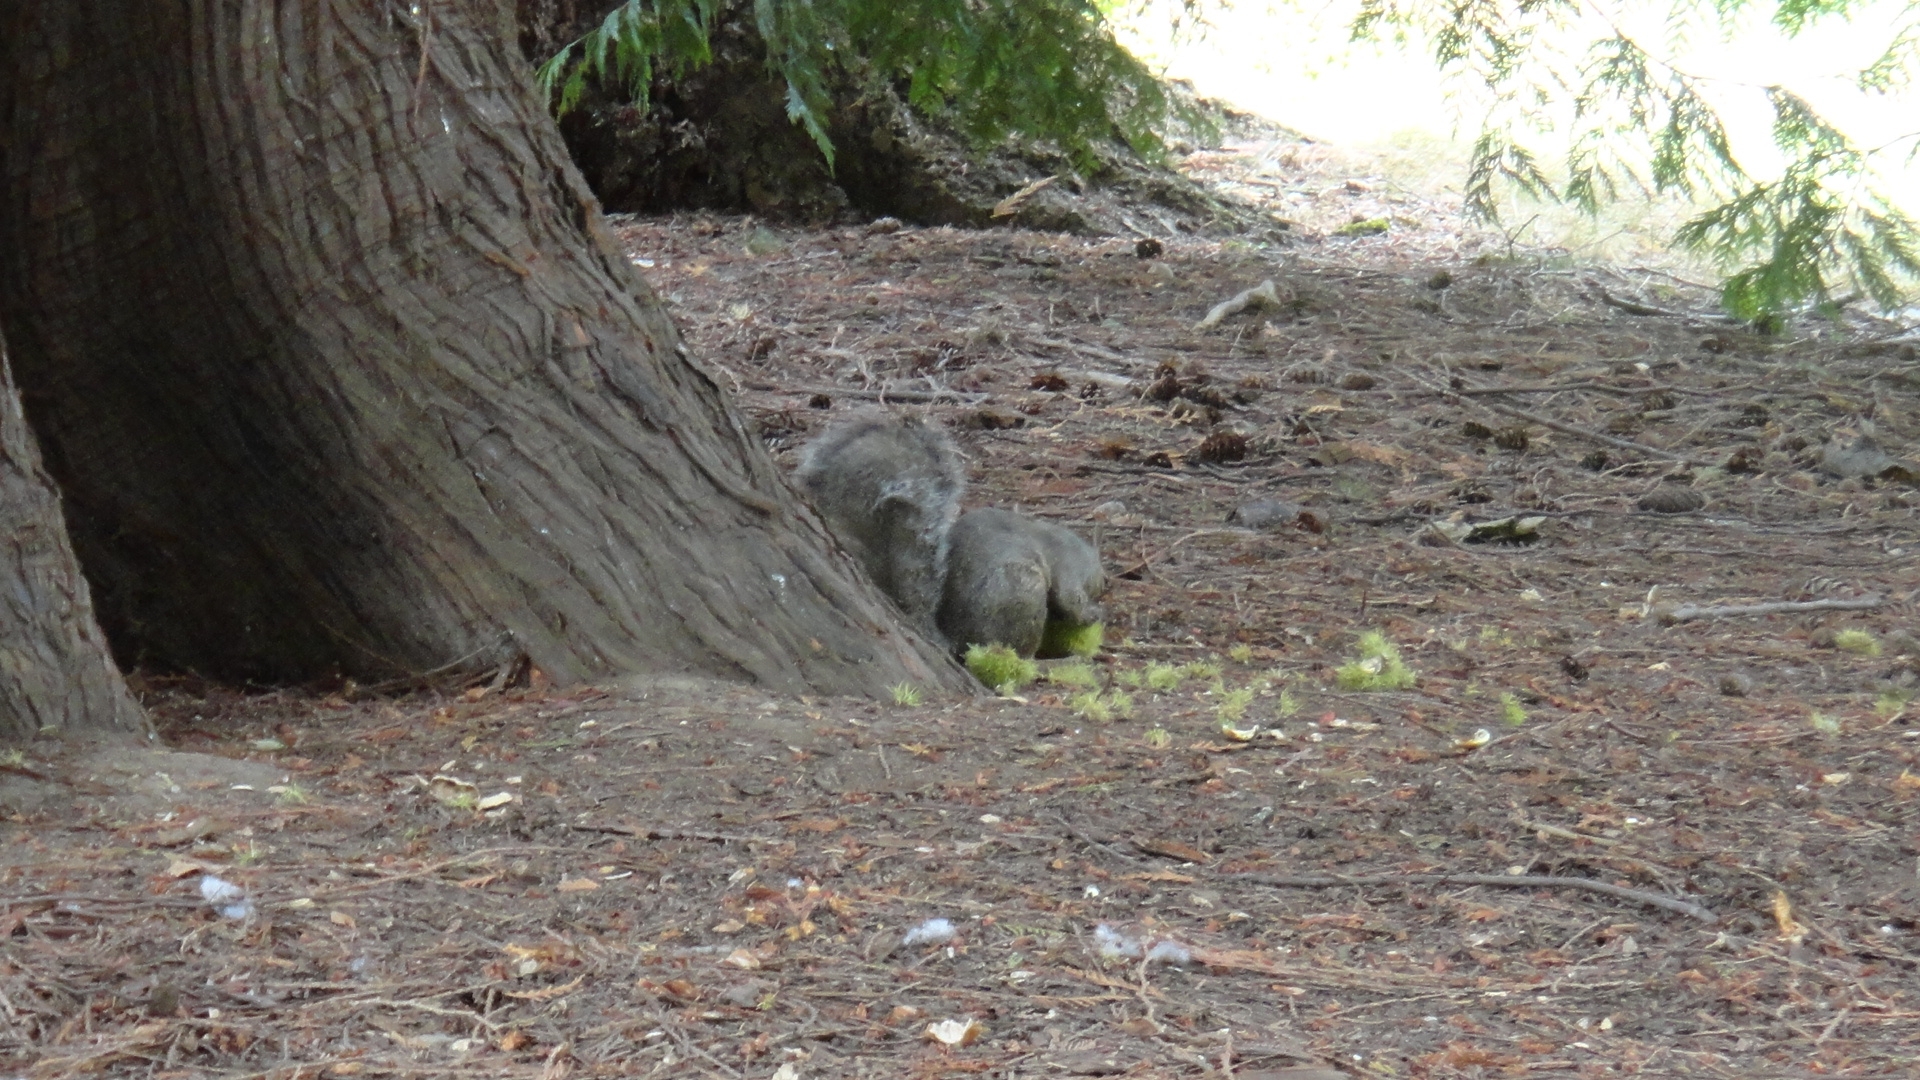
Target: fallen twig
x,y
1146,561
877,395
1511,881
1686,612
1634,307
1076,834
1568,834
1555,388
1096,351
1261,295
1595,436
463,1015
670,834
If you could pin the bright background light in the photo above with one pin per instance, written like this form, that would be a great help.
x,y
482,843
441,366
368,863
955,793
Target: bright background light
x,y
1293,64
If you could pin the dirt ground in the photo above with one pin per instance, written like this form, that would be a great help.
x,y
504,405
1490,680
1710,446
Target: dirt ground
x,y
1604,832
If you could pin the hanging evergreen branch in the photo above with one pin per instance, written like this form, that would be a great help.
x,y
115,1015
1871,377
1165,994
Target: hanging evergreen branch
x,y
1640,124
994,68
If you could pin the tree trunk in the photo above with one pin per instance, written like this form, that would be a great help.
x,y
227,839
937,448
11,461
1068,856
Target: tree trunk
x,y
340,370
55,673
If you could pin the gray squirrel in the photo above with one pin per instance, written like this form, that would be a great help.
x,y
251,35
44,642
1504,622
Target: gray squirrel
x,y
890,488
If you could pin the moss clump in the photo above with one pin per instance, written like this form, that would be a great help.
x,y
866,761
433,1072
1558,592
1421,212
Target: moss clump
x,y
1233,705
1091,707
905,694
1163,677
1511,711
1378,668
1891,703
1368,227
1076,675
1858,642
1113,706
1000,667
1062,638
1201,669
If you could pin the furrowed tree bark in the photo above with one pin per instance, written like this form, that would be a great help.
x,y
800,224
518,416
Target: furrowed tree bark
x,y
56,676
340,371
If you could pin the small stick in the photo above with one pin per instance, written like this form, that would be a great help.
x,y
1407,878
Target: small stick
x,y
878,395
1581,432
669,834
437,1010
1634,307
1514,881
1568,834
1097,351
1778,607
1146,562
1555,388
1531,388
1623,444
1261,295
1090,841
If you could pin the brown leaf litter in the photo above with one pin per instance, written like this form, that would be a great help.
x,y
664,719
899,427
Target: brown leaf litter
x,y
672,878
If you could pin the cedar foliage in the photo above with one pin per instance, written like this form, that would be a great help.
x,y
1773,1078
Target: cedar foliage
x,y
1635,122
991,68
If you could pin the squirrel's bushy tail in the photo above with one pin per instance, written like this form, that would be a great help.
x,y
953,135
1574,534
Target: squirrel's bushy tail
x,y
890,486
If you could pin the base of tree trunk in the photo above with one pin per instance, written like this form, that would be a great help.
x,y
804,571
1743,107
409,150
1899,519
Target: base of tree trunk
x,y
342,374
56,677
130,783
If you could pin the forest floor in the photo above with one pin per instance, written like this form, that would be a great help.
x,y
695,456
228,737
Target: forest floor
x,y
1604,832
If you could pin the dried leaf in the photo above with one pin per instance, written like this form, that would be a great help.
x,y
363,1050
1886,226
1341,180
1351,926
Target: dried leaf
x,y
453,791
1790,928
1475,741
956,1032
819,825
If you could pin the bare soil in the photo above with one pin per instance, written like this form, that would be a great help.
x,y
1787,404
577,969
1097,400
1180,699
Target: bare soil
x,y
1599,835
